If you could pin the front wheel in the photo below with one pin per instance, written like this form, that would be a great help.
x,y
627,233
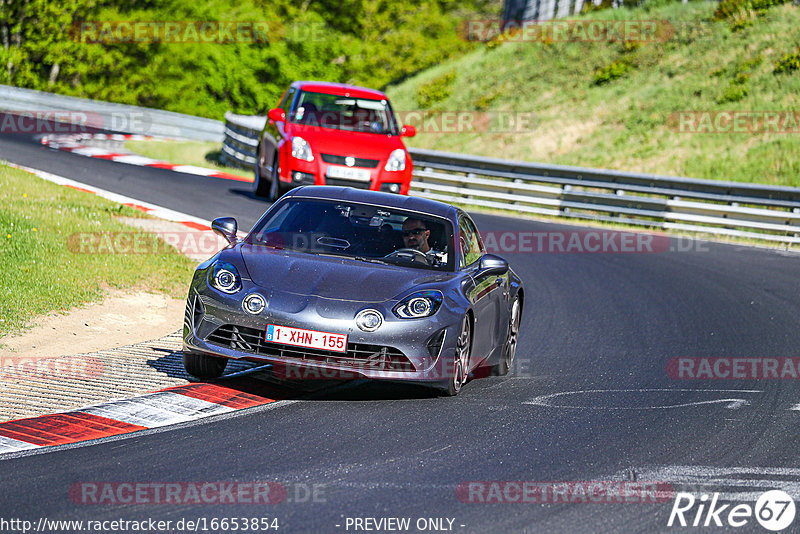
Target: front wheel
x,y
460,369
260,186
276,188
204,366
510,346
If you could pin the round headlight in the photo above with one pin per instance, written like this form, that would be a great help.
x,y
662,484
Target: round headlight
x,y
369,320
254,304
224,277
225,280
419,307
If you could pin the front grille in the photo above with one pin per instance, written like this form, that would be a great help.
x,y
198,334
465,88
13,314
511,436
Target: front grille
x,y
358,355
360,162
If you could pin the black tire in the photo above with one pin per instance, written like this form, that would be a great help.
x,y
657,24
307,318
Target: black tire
x,y
460,371
276,188
510,345
260,186
203,366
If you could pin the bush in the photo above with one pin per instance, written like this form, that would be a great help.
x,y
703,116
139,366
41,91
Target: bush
x,y
728,9
615,70
740,23
788,63
734,93
436,90
590,7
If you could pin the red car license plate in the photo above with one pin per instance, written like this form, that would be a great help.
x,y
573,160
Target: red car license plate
x,y
311,339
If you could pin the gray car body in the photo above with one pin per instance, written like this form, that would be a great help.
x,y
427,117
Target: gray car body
x,y
325,294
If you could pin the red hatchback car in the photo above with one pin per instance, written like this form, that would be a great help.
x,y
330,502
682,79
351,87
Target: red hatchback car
x,y
332,134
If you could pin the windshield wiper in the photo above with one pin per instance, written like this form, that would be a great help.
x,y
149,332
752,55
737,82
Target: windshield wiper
x,y
345,256
268,245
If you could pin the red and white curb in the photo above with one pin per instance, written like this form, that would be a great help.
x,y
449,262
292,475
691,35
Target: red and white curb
x,y
169,406
73,143
100,137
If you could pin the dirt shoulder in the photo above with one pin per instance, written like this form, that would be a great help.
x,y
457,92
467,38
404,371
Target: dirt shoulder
x,y
122,318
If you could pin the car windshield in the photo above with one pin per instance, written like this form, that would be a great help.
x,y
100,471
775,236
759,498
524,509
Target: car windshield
x,y
344,113
358,231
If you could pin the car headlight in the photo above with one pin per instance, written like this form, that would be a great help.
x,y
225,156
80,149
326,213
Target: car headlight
x,y
301,149
369,320
224,277
418,305
397,160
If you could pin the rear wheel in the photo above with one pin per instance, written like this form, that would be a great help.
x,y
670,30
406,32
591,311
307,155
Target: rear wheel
x,y
460,369
204,366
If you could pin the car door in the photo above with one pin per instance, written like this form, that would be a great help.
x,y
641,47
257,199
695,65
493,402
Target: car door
x,y
484,291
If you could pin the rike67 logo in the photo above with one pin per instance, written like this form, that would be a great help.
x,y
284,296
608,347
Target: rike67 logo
x,y
774,510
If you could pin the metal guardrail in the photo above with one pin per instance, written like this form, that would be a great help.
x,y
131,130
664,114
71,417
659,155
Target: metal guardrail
x,y
687,204
676,203
114,117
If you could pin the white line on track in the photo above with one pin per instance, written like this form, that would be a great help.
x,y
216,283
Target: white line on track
x,y
731,403
153,209
732,483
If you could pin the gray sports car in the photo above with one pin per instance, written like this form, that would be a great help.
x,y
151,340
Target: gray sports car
x,y
339,283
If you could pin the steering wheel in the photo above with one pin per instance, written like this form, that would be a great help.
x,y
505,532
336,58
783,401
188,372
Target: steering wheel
x,y
409,254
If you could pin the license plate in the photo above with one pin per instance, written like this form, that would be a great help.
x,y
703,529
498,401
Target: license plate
x,y
348,173
311,339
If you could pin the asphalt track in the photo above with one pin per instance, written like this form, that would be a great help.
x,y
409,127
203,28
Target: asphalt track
x,y
602,326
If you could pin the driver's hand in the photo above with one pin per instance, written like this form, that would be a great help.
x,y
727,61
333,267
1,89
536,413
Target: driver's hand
x,y
435,258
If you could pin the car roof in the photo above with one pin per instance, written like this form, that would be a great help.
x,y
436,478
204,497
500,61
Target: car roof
x,y
388,200
341,89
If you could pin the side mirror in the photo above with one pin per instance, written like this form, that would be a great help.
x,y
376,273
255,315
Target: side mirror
x,y
276,115
226,227
491,264
408,131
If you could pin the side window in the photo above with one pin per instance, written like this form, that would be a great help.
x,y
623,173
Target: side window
x,y
286,101
470,245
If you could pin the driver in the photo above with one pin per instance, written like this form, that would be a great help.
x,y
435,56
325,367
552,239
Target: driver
x,y
415,235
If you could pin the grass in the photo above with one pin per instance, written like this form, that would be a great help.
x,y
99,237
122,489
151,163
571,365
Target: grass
x,y
40,273
589,113
198,153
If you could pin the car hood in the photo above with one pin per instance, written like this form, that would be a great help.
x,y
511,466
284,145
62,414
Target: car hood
x,y
332,278
344,143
